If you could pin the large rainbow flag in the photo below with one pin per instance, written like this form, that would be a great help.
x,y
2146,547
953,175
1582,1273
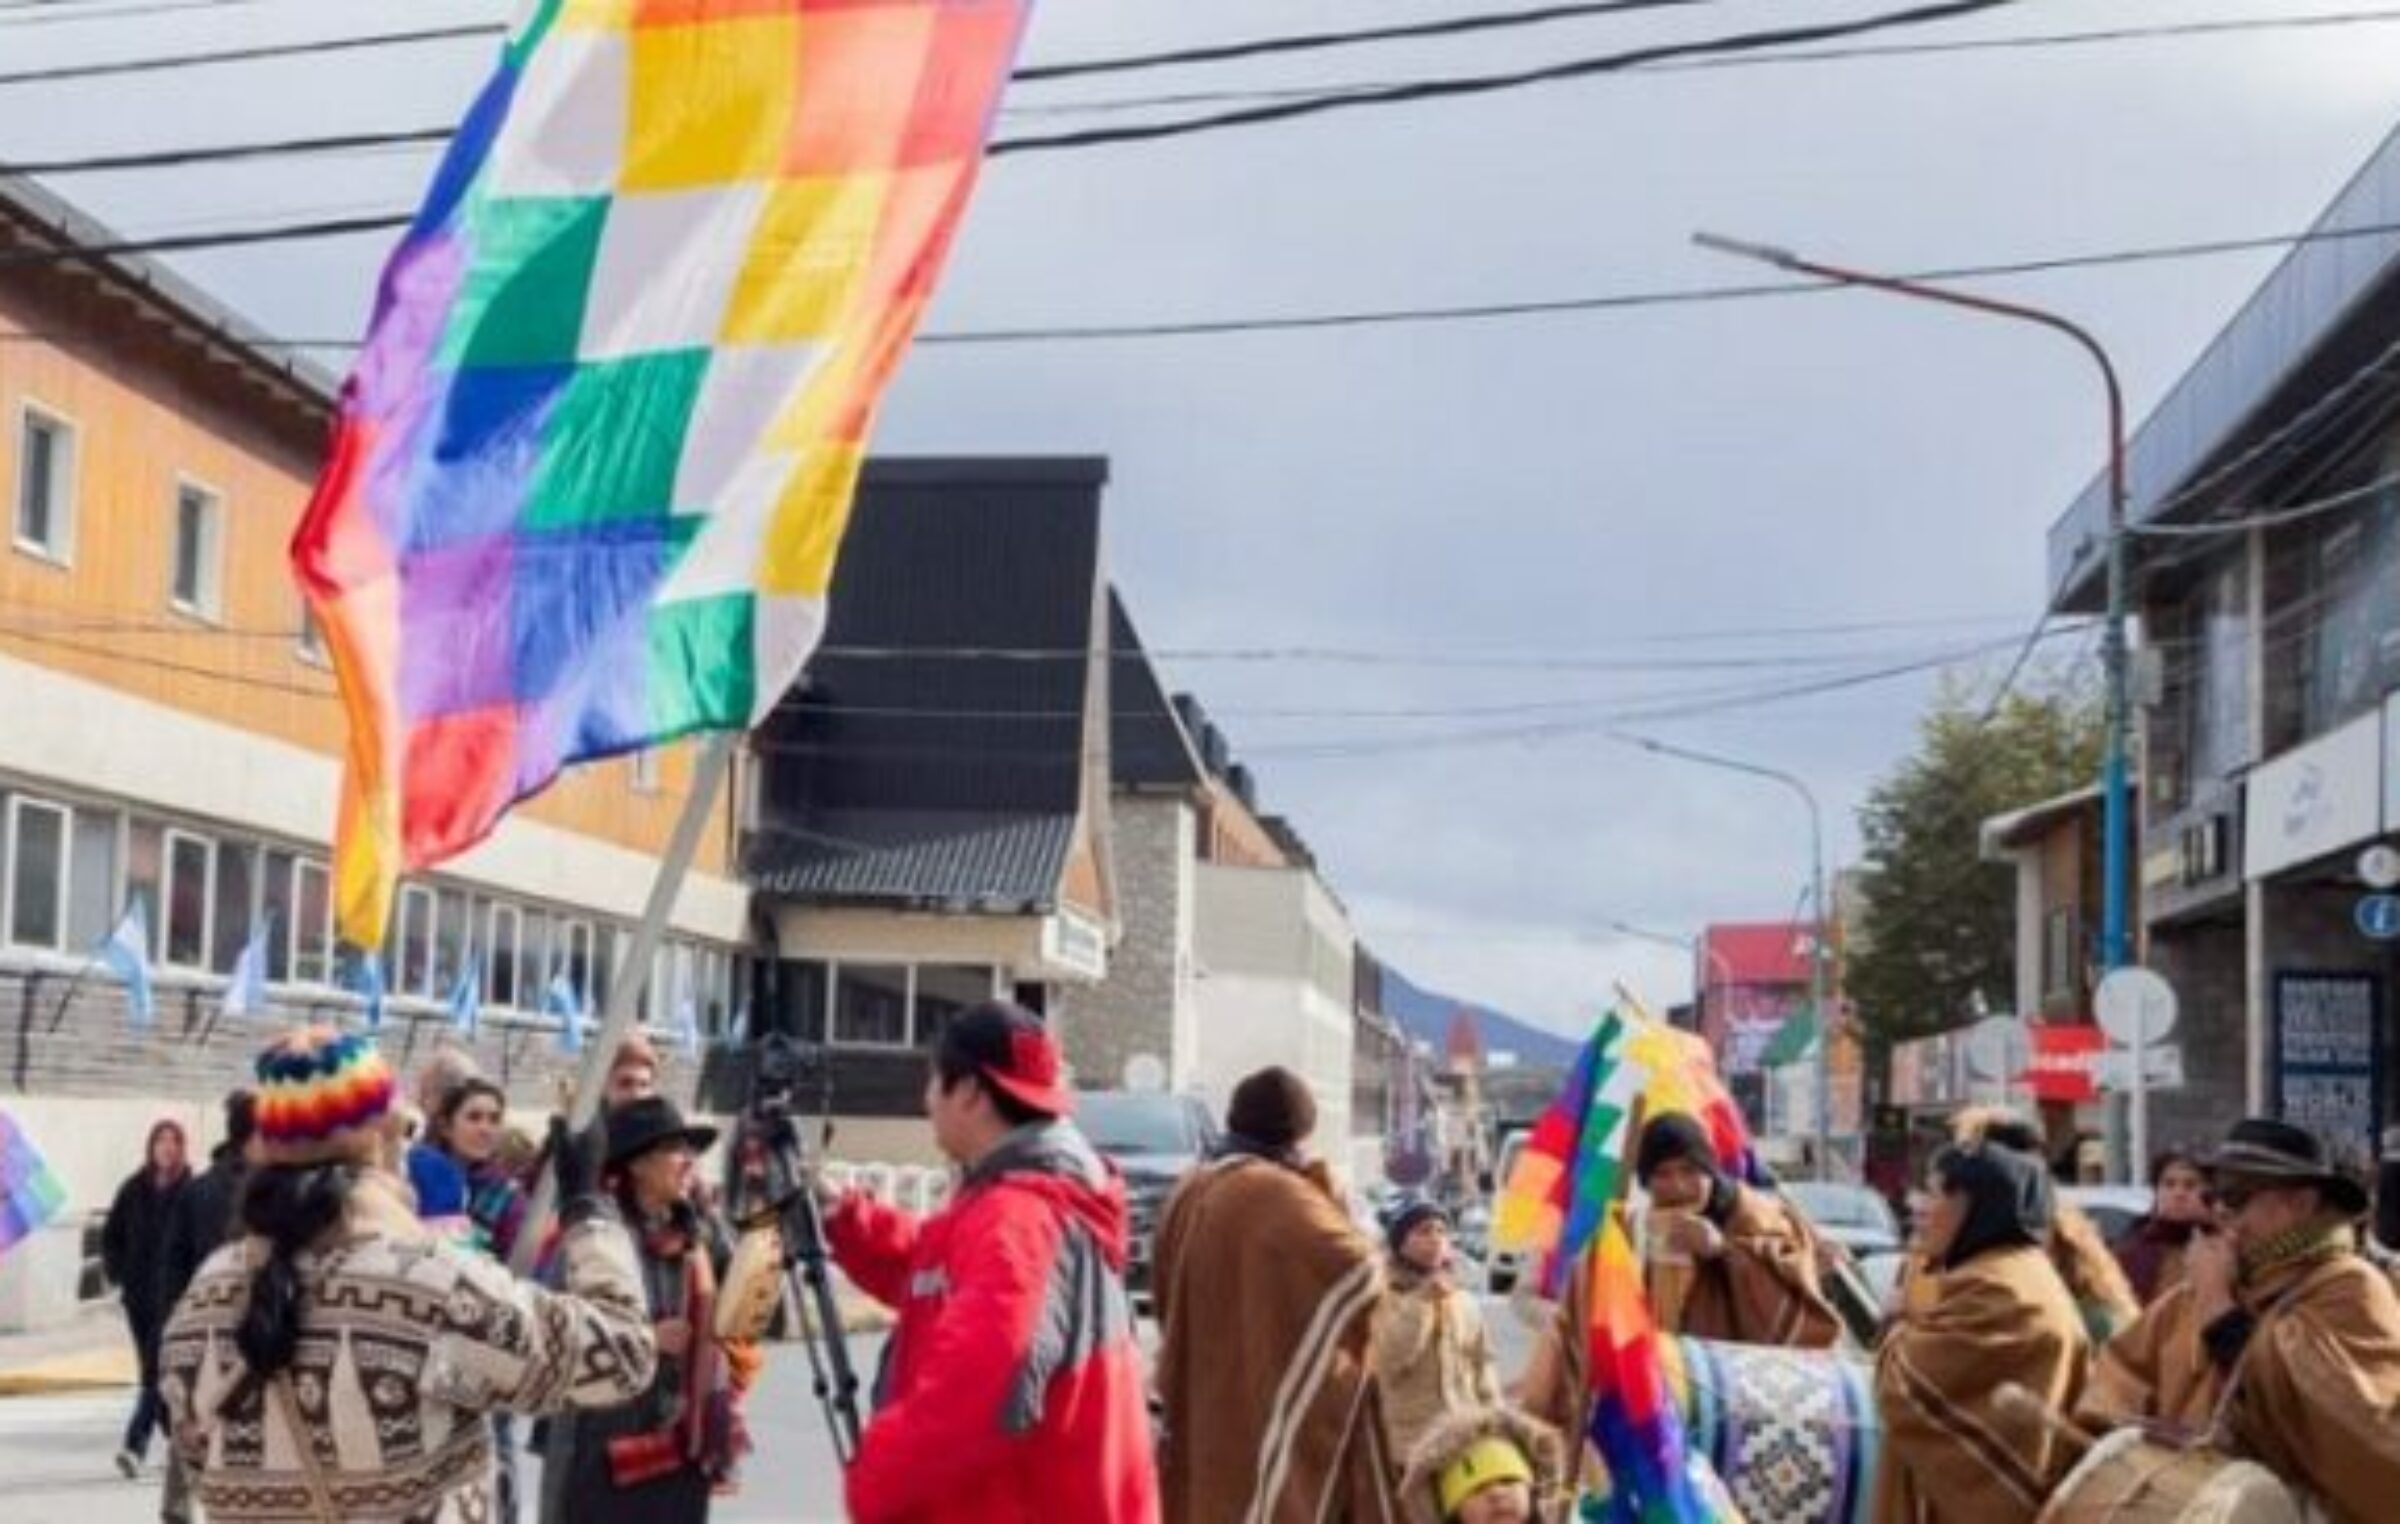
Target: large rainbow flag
x,y
595,460
1637,1430
30,1194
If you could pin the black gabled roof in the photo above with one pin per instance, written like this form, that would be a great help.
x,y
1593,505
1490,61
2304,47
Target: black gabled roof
x,y
936,859
937,738
1148,746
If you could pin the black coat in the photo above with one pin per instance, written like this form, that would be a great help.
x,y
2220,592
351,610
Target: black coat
x,y
198,1224
131,1238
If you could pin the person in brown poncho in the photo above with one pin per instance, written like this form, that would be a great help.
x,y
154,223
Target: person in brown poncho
x,y
1266,1295
1740,1268
2078,1249
2282,1345
1985,1310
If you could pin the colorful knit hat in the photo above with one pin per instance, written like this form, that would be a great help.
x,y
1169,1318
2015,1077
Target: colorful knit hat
x,y
323,1097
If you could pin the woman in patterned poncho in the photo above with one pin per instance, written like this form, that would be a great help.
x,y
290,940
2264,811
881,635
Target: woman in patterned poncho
x,y
339,1361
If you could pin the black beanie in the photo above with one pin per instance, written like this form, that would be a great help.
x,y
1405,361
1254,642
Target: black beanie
x,y
1403,1222
1272,1107
1673,1136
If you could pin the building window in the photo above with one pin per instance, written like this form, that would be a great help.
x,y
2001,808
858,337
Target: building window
x,y
45,485
500,957
146,877
415,964
191,861
312,637
199,567
312,923
943,991
575,944
644,766
92,907
236,873
2062,953
533,962
870,1005
37,873
450,939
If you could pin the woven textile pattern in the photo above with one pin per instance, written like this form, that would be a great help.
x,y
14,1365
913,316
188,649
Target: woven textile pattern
x,y
594,463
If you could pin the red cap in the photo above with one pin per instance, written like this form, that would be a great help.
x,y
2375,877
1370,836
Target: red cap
x,y
1016,1053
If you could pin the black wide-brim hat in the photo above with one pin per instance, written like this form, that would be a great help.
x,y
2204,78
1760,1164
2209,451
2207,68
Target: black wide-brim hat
x,y
2273,1152
637,1127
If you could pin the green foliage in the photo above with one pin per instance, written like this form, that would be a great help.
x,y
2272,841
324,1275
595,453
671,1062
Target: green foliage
x,y
1940,923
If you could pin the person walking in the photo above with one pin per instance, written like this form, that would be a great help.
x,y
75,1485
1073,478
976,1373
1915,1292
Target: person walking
x,y
2153,1249
1013,1387
337,1360
1986,1309
201,1220
1433,1355
467,1128
1266,1295
129,1244
660,1458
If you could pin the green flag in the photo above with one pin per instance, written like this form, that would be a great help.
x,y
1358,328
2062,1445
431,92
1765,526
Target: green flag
x,y
1792,1040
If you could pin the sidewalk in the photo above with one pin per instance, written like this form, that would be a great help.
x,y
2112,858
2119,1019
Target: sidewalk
x,y
91,1353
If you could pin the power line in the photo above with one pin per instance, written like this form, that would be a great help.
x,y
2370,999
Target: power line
x,y
113,68
169,158
1458,86
2027,42
31,13
1289,323
1454,26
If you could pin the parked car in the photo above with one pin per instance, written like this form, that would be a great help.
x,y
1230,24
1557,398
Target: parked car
x,y
2113,1208
1155,1139
1853,1216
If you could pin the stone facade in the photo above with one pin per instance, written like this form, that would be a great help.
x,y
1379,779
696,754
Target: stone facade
x,y
1145,1004
2204,963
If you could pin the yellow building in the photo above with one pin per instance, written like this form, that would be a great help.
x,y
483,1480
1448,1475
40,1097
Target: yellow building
x,y
169,734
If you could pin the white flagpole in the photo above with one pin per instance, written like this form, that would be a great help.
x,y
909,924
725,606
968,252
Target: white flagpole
x,y
633,972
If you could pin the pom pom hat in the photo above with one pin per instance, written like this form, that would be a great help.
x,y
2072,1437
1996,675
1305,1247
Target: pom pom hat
x,y
324,1097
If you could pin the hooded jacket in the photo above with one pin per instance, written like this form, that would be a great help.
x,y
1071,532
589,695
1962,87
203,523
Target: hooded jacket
x,y
1012,1391
1455,1435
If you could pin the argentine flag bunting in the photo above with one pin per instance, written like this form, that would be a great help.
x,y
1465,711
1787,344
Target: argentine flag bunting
x,y
127,954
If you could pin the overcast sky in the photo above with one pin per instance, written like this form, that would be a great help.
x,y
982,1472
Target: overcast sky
x,y
1624,488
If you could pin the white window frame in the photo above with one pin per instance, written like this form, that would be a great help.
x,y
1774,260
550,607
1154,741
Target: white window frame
x,y
18,804
60,549
166,899
833,988
515,955
414,894
209,604
324,870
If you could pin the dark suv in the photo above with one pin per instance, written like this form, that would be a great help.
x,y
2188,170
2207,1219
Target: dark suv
x,y
1155,1139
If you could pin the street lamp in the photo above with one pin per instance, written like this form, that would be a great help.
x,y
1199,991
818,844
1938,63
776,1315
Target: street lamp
x,y
1819,948
2116,820
1697,946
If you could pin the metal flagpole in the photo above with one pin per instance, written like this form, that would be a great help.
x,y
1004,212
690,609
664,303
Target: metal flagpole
x,y
633,973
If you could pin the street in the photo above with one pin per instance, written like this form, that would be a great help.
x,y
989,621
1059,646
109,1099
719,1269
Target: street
x,y
55,1451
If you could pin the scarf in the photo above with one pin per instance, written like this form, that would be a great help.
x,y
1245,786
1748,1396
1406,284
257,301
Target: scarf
x,y
2304,1247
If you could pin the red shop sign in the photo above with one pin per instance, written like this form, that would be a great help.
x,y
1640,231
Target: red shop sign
x,y
2065,1064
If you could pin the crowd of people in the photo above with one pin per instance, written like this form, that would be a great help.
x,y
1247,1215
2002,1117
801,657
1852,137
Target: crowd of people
x,y
329,1328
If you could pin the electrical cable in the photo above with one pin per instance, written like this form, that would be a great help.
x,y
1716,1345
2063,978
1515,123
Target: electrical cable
x,y
2027,42
115,68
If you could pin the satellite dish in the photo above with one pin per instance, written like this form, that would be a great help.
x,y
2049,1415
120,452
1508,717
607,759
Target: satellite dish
x,y
1145,1075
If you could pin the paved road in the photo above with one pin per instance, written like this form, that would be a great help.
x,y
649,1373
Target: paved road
x,y
55,1451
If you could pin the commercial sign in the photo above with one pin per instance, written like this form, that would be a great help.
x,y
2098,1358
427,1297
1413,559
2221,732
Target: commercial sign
x,y
2064,1064
2329,1056
1075,944
2316,800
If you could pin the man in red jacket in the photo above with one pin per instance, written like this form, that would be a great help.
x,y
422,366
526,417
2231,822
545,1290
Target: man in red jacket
x,y
1013,1389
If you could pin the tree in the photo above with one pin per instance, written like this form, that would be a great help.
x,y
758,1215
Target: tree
x,y
1940,922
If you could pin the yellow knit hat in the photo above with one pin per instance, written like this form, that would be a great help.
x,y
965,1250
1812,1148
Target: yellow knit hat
x,y
1486,1462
